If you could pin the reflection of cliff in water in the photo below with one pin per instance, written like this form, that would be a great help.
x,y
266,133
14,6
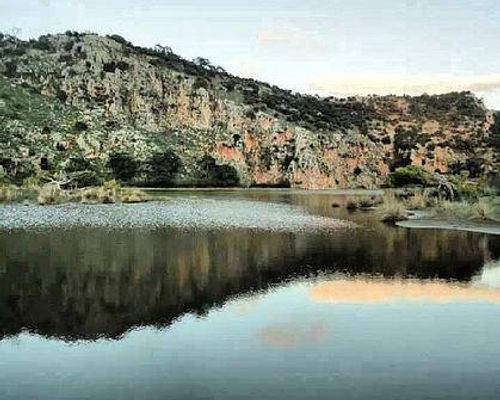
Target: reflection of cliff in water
x,y
89,284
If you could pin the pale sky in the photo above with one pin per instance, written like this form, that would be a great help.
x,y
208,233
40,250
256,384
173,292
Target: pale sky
x,y
338,47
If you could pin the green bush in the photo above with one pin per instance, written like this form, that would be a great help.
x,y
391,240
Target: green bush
x,y
83,171
162,169
124,167
466,189
409,175
213,175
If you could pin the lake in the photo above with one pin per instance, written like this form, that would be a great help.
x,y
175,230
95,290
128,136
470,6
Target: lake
x,y
274,300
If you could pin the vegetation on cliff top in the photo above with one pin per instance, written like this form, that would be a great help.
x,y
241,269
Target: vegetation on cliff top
x,y
96,108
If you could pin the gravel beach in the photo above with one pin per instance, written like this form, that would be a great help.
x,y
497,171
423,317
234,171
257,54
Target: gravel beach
x,y
178,213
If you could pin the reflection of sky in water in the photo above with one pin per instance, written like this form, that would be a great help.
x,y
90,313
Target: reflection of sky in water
x,y
375,290
277,345
490,275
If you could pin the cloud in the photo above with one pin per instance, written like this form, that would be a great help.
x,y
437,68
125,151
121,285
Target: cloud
x,y
290,34
364,290
403,84
293,334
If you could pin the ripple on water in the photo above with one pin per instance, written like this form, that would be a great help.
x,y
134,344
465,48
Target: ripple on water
x,y
179,213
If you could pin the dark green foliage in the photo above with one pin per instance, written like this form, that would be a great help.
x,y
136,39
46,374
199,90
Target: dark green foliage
x,y
17,170
44,163
494,139
409,175
472,164
81,126
66,58
213,175
83,171
162,169
124,167
68,46
201,83
10,69
109,67
122,66
61,95
463,103
314,111
112,124
120,39
406,140
43,43
162,56
72,34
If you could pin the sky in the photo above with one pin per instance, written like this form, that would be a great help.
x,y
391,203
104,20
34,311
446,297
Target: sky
x,y
326,47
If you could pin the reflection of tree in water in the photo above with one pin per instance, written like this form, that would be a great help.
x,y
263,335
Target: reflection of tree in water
x,y
90,284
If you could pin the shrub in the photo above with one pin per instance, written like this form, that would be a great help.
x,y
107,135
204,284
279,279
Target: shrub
x,y
409,175
481,209
133,195
363,202
214,175
352,205
8,193
105,194
50,194
124,167
97,195
83,171
466,189
4,179
392,210
162,169
418,201
43,43
81,126
32,182
369,201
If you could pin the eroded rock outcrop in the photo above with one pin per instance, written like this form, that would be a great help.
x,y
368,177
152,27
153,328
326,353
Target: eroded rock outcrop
x,y
82,101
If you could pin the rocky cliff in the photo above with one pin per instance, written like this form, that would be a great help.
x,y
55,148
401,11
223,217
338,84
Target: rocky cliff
x,y
99,107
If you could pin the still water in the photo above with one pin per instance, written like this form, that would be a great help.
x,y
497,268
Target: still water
x,y
374,312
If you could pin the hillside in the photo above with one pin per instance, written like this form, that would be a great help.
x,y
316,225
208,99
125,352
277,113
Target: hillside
x,y
93,108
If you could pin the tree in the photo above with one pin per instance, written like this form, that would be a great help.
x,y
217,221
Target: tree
x,y
162,169
124,167
82,171
204,63
163,49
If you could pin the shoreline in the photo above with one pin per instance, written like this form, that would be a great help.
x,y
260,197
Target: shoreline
x,y
490,228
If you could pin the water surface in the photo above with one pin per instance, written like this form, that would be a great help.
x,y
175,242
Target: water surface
x,y
239,312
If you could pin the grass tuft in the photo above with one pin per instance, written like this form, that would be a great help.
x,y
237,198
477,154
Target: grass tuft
x,y
392,210
133,195
50,194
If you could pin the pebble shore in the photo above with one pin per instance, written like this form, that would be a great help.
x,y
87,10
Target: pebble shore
x,y
181,213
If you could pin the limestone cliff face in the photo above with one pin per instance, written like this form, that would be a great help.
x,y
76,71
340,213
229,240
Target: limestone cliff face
x,y
90,97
